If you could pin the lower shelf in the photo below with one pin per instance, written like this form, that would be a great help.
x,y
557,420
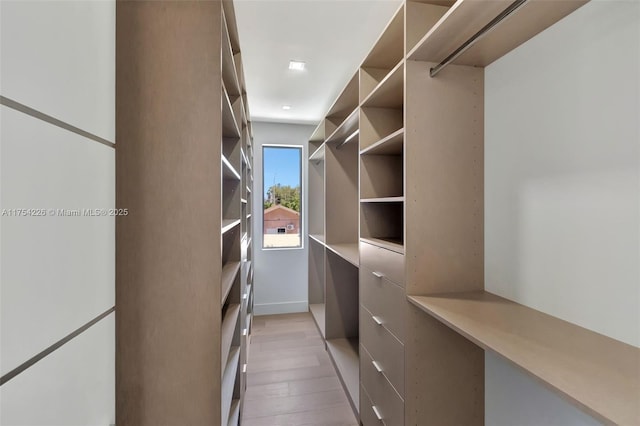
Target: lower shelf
x,y
317,312
597,373
345,357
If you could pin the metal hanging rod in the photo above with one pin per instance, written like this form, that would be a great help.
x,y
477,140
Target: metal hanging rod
x,y
477,36
353,135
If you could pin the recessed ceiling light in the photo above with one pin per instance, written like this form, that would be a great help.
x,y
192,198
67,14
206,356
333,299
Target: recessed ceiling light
x,y
286,107
296,65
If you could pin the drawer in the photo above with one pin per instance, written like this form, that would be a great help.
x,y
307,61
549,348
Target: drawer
x,y
368,417
388,404
385,349
382,261
385,300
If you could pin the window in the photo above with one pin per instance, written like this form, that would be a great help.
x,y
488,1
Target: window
x,y
282,196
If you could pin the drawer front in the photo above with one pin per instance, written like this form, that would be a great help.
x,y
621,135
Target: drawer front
x,y
384,348
384,398
367,415
384,300
382,261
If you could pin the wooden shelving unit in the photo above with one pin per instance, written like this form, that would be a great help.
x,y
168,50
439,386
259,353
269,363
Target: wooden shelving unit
x,y
184,103
419,195
333,230
599,374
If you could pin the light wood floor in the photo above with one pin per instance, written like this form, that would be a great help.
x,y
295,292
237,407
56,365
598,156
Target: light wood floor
x,y
290,379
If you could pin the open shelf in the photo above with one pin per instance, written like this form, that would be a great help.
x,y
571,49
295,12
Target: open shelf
x,y
466,17
392,144
382,221
597,373
229,72
387,52
343,106
346,130
317,137
422,16
317,238
229,224
387,243
317,312
229,273
345,358
378,124
383,200
389,93
318,154
228,171
228,331
232,151
229,382
230,127
348,252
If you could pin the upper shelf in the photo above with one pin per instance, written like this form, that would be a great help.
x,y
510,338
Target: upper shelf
x,y
389,93
599,374
230,127
392,144
318,155
346,129
466,17
389,48
228,171
347,101
229,71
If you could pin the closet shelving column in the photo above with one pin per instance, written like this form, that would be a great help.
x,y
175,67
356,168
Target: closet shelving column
x,y
316,227
181,172
341,239
452,318
236,164
333,235
382,204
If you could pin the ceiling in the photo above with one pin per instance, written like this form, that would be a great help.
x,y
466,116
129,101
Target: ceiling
x,y
331,36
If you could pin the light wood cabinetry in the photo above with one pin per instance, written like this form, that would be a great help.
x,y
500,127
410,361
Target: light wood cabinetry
x,y
184,254
424,318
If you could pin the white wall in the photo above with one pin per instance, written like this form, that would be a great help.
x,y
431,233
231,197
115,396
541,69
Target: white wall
x,y
57,273
562,189
280,276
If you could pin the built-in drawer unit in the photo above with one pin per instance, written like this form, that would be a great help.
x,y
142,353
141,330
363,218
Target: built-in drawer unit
x,y
386,350
383,262
385,300
386,403
368,414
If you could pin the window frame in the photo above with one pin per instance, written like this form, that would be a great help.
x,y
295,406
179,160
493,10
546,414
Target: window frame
x,y
302,189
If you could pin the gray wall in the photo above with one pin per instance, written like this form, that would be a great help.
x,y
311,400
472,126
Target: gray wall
x,y
562,190
280,276
57,273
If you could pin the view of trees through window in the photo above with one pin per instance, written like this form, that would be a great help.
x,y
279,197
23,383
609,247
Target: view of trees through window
x,y
282,179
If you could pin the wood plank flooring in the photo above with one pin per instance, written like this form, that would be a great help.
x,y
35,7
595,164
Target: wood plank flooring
x,y
290,379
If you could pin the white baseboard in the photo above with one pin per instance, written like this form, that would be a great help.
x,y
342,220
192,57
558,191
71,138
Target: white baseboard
x,y
280,308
